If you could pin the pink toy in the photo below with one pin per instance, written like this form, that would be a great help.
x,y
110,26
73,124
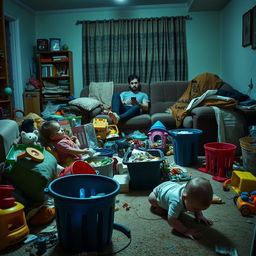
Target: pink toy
x,y
157,135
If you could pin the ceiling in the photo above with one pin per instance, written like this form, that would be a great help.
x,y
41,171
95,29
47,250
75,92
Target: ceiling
x,y
54,5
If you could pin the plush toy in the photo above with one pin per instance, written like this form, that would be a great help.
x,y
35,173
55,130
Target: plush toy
x,y
30,137
27,125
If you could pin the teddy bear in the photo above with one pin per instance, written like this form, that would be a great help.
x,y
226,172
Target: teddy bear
x,y
30,137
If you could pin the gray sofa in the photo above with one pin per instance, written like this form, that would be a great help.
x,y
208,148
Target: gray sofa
x,y
162,95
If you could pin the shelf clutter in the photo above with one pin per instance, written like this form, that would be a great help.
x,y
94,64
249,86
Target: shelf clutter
x,y
55,76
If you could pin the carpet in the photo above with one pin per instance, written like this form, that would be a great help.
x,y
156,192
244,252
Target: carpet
x,y
152,236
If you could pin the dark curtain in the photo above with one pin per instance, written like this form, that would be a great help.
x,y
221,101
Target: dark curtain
x,y
153,48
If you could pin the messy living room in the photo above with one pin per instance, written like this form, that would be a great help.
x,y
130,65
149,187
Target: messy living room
x,y
127,127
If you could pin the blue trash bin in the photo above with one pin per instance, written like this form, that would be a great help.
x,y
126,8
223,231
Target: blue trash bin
x,y
84,206
185,143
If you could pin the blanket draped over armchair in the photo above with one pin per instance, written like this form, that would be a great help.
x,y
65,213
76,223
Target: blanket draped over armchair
x,y
196,88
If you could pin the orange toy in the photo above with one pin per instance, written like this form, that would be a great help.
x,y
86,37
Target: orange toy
x,y
33,153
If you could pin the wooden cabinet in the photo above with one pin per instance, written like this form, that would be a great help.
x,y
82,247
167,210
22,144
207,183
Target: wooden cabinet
x,y
56,76
5,100
31,101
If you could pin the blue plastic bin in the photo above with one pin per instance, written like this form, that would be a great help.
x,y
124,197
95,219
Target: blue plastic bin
x,y
185,143
106,151
84,219
144,175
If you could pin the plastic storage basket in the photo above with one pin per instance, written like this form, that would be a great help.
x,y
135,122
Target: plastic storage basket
x,y
219,159
84,210
105,169
248,146
144,175
185,143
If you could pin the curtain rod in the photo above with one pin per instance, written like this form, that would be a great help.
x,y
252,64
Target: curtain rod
x,y
78,22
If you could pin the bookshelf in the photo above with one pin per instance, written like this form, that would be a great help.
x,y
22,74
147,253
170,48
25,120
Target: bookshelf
x,y
56,76
5,100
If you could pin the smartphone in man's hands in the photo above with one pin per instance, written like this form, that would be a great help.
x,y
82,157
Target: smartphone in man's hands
x,y
133,100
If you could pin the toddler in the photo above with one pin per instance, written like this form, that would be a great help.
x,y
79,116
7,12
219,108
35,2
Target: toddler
x,y
175,198
67,148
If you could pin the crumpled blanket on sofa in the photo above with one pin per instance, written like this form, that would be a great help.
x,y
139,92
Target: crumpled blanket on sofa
x,y
196,88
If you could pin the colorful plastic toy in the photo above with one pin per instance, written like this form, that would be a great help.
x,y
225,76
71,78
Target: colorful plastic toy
x,y
13,223
246,203
101,126
241,182
158,135
103,130
33,153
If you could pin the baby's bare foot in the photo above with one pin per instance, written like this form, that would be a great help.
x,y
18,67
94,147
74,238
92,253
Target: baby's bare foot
x,y
114,116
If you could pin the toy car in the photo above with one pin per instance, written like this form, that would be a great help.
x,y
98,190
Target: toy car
x,y
246,203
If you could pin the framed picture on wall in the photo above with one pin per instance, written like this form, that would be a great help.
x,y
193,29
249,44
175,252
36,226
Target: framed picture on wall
x,y
246,28
55,44
254,27
42,45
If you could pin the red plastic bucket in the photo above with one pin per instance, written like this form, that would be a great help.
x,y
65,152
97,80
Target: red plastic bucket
x,y
78,167
219,159
7,202
6,191
6,198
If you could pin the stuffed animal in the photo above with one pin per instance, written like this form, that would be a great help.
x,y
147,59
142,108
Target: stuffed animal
x,y
30,137
27,125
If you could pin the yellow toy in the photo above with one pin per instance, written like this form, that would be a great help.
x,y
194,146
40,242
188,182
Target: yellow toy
x,y
13,225
241,182
103,130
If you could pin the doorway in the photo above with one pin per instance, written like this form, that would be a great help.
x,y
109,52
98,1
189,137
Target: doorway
x,y
14,60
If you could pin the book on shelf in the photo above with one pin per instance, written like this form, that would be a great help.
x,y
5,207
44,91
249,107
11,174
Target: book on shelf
x,y
56,58
48,70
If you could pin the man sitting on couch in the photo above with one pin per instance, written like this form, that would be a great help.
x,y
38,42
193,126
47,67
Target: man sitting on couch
x,y
129,103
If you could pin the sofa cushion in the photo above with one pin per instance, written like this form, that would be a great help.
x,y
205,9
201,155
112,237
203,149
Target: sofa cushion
x,y
85,103
164,94
188,122
102,91
140,122
165,118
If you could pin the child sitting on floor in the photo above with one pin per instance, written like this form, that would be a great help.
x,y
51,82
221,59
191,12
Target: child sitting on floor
x,y
67,148
175,198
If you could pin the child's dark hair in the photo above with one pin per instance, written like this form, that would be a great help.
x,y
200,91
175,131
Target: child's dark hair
x,y
45,132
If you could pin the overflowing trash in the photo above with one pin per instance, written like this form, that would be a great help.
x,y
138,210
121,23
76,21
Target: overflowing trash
x,y
102,162
141,156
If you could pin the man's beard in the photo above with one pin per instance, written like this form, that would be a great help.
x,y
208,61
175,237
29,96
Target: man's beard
x,y
134,88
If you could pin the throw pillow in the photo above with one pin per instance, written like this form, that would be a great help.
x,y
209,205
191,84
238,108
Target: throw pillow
x,y
85,103
102,91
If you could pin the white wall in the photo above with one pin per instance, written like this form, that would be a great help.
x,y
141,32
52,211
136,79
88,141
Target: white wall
x,y
238,63
26,21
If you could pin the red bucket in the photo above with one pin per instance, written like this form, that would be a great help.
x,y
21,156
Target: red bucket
x,y
6,198
6,191
78,167
219,159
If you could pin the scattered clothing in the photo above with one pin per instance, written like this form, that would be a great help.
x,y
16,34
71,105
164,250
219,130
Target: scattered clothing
x,y
63,147
196,88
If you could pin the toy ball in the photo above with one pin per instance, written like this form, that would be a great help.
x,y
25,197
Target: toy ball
x,y
8,90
